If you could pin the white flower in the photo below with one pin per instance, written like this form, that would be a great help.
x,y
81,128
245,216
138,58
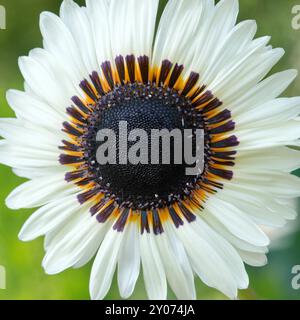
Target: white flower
x,y
98,63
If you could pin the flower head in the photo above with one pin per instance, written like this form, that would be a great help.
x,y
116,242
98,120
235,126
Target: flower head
x,y
103,65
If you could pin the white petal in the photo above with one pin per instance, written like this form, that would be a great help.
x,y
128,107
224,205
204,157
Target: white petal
x,y
132,26
20,134
235,241
283,134
282,185
234,43
27,158
129,261
32,173
49,217
67,84
264,91
278,158
246,72
30,109
38,192
239,192
285,207
65,252
214,28
153,269
207,263
99,18
59,41
225,251
237,222
77,21
180,281
105,264
44,84
177,29
260,214
272,112
91,250
254,259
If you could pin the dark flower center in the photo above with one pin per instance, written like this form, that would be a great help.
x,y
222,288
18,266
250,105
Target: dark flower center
x,y
147,98
142,186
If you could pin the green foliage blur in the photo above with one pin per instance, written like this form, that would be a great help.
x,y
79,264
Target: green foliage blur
x,y
25,276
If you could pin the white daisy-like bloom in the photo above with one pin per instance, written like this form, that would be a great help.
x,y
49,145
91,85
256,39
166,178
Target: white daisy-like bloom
x,y
104,63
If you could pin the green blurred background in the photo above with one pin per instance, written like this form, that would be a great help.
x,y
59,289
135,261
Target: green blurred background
x,y
25,276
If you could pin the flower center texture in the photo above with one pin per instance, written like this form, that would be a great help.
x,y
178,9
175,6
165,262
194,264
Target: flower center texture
x,y
131,96
142,185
